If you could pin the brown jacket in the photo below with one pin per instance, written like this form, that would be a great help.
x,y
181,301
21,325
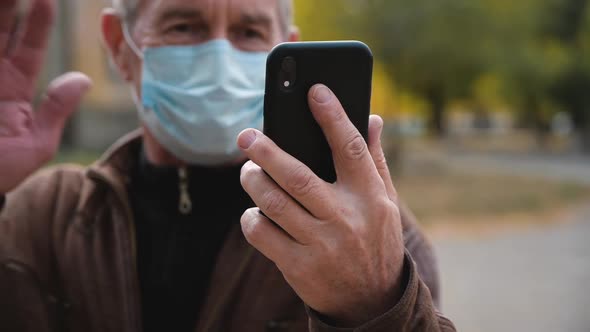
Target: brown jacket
x,y
67,263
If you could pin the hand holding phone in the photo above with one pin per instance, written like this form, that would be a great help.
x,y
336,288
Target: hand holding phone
x,y
336,239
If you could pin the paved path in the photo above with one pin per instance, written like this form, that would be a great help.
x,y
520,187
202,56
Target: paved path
x,y
531,280
572,168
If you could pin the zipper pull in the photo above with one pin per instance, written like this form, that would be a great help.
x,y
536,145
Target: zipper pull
x,y
185,205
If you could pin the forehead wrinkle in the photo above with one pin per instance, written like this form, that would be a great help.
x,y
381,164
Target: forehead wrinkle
x,y
255,13
179,8
180,12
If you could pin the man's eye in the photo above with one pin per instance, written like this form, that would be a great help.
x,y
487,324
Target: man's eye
x,y
181,28
251,34
184,28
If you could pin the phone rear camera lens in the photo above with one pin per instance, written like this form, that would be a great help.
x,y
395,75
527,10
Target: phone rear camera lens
x,y
289,65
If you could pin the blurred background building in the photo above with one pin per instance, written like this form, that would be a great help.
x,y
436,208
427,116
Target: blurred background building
x,y
107,112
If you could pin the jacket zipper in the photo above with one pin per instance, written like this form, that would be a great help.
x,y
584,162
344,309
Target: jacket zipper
x,y
185,205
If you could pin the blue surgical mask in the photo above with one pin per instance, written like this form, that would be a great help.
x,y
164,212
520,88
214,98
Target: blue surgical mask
x,y
195,100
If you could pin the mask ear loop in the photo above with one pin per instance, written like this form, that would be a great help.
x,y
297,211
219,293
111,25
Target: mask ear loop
x,y
130,42
139,53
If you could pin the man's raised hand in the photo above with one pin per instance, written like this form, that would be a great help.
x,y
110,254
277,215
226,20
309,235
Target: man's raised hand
x,y
28,138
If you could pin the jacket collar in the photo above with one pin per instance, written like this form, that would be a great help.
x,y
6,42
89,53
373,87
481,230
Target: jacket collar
x,y
115,167
116,163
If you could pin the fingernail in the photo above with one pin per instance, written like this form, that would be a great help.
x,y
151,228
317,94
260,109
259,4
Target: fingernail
x,y
322,94
247,139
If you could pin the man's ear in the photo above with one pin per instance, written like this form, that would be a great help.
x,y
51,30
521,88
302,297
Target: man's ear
x,y
114,41
294,35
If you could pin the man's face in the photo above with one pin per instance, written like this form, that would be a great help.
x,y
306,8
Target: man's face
x,y
250,25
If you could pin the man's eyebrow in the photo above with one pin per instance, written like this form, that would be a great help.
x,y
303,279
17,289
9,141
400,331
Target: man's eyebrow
x,y
256,19
179,13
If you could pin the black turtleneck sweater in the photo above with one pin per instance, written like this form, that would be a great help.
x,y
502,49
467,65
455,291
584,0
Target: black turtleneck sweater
x,y
176,251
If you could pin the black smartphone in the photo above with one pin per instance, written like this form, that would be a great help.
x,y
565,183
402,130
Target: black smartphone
x,y
346,67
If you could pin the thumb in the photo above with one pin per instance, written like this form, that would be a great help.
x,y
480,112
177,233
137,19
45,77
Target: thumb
x,y
61,100
376,150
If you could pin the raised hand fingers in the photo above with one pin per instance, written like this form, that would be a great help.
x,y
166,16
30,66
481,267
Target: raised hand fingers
x,y
39,17
290,174
62,99
30,48
9,19
352,160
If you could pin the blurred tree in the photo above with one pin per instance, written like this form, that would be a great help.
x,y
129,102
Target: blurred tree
x,y
526,59
435,49
331,20
572,91
542,60
529,70
538,53
569,24
325,20
564,19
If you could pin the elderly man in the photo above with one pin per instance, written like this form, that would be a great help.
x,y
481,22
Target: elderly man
x,y
148,238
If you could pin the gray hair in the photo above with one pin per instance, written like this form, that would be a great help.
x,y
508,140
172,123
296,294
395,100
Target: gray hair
x,y
128,10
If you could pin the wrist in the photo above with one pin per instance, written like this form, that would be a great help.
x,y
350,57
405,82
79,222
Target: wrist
x,y
373,307
396,317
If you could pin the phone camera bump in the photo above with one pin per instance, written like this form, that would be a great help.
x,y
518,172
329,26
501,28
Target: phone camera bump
x,y
289,64
288,74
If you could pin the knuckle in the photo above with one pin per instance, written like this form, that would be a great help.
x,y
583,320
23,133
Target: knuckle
x,y
345,212
263,149
384,211
248,172
296,270
339,115
357,230
250,225
275,203
357,235
355,148
348,219
330,248
301,181
54,101
380,160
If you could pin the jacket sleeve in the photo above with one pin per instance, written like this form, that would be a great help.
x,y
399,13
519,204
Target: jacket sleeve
x,y
28,298
415,312
422,252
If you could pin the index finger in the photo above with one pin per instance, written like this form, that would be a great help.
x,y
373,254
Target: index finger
x,y
38,15
352,160
31,48
8,21
289,173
